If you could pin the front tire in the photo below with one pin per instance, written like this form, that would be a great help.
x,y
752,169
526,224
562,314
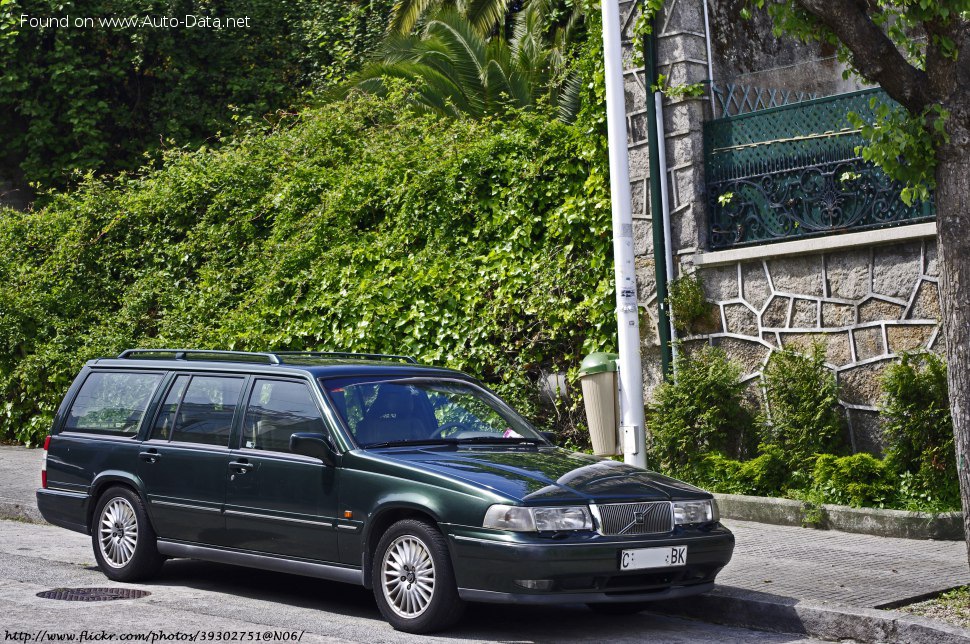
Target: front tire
x,y
414,582
123,538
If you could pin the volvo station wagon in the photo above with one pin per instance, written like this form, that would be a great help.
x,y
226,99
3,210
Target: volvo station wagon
x,y
414,481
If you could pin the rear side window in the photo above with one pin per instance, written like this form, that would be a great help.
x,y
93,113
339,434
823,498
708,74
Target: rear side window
x,y
204,415
277,409
112,402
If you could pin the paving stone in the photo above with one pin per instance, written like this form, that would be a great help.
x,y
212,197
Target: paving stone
x,y
873,310
836,345
754,283
740,320
750,355
776,315
797,275
838,567
848,274
926,306
721,283
836,315
860,385
804,314
868,343
895,269
908,338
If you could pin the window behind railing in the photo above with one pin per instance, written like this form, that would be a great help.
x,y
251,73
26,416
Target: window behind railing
x,y
793,171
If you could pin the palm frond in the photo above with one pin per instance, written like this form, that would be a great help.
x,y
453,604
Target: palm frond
x,y
405,14
484,15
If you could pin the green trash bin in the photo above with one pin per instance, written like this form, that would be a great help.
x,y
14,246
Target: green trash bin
x,y
598,377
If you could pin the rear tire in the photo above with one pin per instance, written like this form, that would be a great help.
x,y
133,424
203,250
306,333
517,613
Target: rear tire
x,y
414,582
123,538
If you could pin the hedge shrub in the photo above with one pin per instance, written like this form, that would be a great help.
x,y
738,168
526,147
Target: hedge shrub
x,y
919,430
358,226
802,414
701,411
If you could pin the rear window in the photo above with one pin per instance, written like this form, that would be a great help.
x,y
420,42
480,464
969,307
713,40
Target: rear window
x,y
112,402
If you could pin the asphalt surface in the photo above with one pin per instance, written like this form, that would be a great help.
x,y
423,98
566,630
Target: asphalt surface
x,y
193,597
827,584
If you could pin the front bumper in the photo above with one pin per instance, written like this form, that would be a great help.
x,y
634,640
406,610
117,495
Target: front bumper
x,y
582,568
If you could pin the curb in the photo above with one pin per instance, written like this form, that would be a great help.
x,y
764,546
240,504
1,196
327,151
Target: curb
x,y
14,511
945,526
736,607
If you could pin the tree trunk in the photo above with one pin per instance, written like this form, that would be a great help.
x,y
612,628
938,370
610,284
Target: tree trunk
x,y
953,216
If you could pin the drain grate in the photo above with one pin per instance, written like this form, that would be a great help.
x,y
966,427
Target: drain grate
x,y
93,594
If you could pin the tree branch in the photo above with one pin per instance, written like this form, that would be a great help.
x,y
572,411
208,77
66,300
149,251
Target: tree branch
x,y
873,53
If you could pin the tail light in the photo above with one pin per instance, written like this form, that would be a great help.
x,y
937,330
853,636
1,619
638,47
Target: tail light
x,y
43,466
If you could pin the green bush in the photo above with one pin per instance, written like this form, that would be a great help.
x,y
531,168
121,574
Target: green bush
x,y
802,414
860,480
688,305
702,411
764,475
919,430
358,226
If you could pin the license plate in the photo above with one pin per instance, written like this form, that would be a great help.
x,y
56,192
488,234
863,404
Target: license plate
x,y
642,558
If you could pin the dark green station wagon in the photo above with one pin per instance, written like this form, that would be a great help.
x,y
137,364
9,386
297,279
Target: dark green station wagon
x,y
414,481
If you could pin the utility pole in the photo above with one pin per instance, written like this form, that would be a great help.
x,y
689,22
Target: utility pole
x,y
632,431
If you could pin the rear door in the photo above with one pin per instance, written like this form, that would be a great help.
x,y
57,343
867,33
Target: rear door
x,y
279,502
184,462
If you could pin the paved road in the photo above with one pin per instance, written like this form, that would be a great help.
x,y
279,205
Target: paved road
x,y
193,596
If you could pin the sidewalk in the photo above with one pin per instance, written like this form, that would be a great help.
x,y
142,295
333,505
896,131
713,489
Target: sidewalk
x,y
822,583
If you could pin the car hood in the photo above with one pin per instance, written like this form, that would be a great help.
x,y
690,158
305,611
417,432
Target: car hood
x,y
549,475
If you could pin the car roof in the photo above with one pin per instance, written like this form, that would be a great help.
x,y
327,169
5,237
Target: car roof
x,y
316,364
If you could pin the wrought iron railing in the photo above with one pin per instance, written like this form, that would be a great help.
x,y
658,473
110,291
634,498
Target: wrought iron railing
x,y
731,99
793,171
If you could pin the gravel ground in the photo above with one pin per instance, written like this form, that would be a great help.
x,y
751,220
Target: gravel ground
x,y
952,607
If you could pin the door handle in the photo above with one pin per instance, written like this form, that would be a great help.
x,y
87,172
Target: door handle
x,y
242,466
150,456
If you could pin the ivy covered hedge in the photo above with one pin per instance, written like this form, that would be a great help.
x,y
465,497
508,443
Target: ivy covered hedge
x,y
358,226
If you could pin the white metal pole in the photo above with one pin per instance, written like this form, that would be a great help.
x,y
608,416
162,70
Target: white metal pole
x,y
628,324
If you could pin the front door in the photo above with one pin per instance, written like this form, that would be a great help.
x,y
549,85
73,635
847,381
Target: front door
x,y
183,463
279,502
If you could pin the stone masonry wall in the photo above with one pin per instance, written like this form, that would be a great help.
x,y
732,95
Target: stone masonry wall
x,y
682,58
864,304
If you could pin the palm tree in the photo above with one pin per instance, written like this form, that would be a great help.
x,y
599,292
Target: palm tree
x,y
455,70
484,15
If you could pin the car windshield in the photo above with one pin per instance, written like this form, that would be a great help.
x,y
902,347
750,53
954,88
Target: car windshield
x,y
406,411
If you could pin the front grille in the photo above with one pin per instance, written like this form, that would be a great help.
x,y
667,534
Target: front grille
x,y
635,518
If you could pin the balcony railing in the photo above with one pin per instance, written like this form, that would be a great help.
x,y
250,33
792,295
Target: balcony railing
x,y
793,171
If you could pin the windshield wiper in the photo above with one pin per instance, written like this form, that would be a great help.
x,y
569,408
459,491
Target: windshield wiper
x,y
498,439
422,441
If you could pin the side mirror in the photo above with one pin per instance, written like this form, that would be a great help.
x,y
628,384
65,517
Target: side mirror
x,y
550,436
314,445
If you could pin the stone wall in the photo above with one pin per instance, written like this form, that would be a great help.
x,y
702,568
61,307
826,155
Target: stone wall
x,y
865,305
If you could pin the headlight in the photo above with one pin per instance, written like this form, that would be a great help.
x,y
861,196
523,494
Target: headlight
x,y
521,519
695,512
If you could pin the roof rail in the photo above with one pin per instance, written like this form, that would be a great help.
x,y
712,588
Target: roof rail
x,y
346,354
204,354
251,356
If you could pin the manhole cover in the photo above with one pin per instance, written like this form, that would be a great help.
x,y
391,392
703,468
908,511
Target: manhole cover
x,y
93,594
